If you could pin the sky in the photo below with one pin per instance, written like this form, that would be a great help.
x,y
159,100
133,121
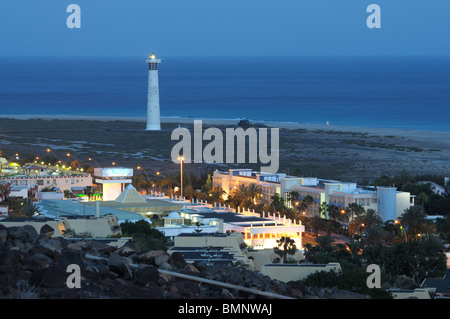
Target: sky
x,y
224,28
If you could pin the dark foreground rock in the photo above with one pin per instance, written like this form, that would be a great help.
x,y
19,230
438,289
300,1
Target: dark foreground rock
x,y
34,266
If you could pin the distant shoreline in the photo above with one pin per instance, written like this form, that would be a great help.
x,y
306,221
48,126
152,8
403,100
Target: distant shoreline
x,y
410,133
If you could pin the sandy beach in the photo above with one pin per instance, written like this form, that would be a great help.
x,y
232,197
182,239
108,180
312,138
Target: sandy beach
x,y
327,151
416,134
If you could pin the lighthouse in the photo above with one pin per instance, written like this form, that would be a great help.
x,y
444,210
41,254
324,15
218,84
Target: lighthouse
x,y
153,116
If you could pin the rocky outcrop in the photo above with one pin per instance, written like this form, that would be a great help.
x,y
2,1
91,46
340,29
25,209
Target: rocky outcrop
x,y
34,265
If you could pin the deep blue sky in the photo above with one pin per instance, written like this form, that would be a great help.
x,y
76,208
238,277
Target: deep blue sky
x,y
224,28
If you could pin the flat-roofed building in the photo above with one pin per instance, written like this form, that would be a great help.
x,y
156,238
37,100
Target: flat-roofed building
x,y
259,232
113,180
388,201
212,248
92,226
69,182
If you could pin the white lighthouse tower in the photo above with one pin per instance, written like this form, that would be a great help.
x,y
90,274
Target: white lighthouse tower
x,y
153,116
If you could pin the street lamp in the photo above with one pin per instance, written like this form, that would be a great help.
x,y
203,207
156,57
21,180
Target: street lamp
x,y
181,159
93,160
401,228
139,168
48,150
78,162
15,156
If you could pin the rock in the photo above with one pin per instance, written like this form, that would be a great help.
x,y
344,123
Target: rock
x,y
177,260
47,231
165,266
161,259
3,236
26,234
295,293
52,244
43,250
69,257
119,265
149,257
50,277
39,258
191,268
80,245
235,279
19,244
125,251
146,275
132,244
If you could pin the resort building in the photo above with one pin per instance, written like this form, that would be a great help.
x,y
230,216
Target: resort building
x,y
72,182
388,201
112,180
212,248
258,232
128,206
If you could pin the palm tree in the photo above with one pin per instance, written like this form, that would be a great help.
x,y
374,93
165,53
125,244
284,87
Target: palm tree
x,y
89,191
29,209
354,209
286,246
254,191
402,178
316,224
373,234
371,217
324,209
364,222
334,212
216,194
423,197
413,219
292,197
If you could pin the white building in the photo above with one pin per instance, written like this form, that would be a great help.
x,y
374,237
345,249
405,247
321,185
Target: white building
x,y
258,232
61,182
389,202
113,180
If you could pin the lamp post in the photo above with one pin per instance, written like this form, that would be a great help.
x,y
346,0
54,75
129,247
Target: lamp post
x,y
16,155
140,167
78,162
48,150
401,228
181,159
93,160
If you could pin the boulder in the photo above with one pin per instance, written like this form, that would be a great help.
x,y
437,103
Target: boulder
x,y
120,265
161,259
26,234
125,251
47,231
146,275
149,257
52,244
69,257
50,277
3,236
177,260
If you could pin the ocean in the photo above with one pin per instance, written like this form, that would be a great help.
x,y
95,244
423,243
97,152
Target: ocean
x,y
393,92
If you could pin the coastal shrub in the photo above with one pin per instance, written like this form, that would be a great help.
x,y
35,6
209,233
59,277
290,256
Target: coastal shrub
x,y
145,235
